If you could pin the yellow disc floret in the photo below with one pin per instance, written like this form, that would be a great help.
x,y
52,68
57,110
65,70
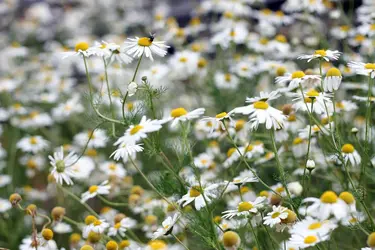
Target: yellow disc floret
x,y
178,112
347,148
261,105
310,239
329,197
144,41
244,206
333,72
347,197
81,46
298,74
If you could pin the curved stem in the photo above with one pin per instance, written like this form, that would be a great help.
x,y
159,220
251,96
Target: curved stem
x,y
110,98
110,203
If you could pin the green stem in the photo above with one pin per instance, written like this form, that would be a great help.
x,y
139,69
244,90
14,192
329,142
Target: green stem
x,y
113,204
92,98
308,148
78,200
179,241
110,98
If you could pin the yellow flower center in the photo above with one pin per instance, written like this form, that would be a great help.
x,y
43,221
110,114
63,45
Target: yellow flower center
x,y
81,46
33,140
275,215
117,225
151,219
135,129
370,66
347,148
280,71
230,239
298,74
329,197
228,14
178,112
263,41
144,41
372,27
157,245
227,77
320,52
345,28
221,115
232,33
333,72
297,141
112,166
240,124
292,118
312,93
97,223
230,152
195,21
93,189
202,63
124,243
244,206
249,148
261,105
315,225
281,38
31,164
264,193
310,239
280,189
183,59
347,197
359,38
194,191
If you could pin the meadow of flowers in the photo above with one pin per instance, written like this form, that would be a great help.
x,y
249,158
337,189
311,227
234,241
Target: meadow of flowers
x,y
125,128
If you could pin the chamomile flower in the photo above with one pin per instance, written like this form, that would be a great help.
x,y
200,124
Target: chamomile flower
x,y
307,240
275,217
297,78
80,49
350,155
217,121
139,131
167,224
332,80
98,226
126,150
145,45
226,80
32,144
262,113
62,166
111,168
181,115
95,139
318,101
95,190
313,226
328,204
367,69
244,177
122,226
196,193
204,161
245,208
328,55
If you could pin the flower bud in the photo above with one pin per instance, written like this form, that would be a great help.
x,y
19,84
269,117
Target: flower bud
x,y
14,199
47,234
94,237
119,217
132,88
310,165
58,213
31,209
111,245
354,130
87,247
231,240
371,240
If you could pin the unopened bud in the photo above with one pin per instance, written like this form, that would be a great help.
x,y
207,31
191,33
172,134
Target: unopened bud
x,y
310,165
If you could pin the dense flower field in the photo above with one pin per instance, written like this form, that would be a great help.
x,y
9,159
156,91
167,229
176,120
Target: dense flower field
x,y
125,128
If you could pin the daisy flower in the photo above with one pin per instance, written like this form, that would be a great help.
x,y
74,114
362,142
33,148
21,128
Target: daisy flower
x,y
167,224
328,204
196,194
226,80
244,177
350,154
32,144
81,48
307,240
181,114
139,131
118,54
320,99
98,226
328,55
313,226
367,69
245,208
204,161
264,96
121,227
216,122
262,113
273,218
62,166
126,150
297,78
94,190
332,80
147,45
232,156
111,168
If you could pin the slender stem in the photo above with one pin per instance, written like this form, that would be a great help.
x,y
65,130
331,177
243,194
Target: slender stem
x,y
71,221
78,200
308,148
49,221
113,204
92,98
281,172
110,98
255,236
179,241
